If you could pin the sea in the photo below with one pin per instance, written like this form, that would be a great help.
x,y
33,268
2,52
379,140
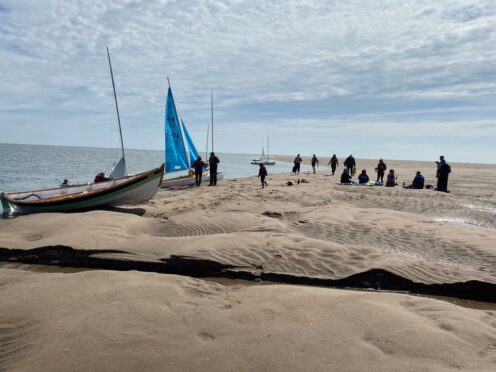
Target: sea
x,y
35,167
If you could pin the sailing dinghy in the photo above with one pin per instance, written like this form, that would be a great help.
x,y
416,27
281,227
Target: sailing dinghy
x,y
120,189
177,158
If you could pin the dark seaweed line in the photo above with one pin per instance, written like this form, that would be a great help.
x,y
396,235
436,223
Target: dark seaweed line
x,y
377,279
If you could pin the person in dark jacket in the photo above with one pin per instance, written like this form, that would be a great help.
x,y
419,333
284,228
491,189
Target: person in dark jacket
x,y
391,179
334,163
198,166
345,176
418,182
381,170
315,162
212,163
350,163
297,164
363,178
262,173
443,171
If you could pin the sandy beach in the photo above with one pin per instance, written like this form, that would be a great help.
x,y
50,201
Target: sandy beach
x,y
314,233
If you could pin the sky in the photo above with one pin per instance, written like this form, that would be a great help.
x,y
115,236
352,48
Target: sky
x,y
398,79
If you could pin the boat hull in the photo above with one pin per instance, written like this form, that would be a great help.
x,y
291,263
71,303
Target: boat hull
x,y
264,162
131,190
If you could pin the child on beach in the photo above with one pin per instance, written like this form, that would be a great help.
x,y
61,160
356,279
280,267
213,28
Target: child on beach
x,y
262,173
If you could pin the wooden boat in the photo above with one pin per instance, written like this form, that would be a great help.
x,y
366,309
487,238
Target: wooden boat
x,y
127,190
119,189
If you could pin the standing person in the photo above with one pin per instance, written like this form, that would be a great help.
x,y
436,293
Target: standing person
x,y
198,166
350,164
315,162
443,171
297,163
391,179
334,163
262,173
212,163
381,170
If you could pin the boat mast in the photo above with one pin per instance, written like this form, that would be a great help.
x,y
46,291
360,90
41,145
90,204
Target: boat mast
x,y
206,149
116,105
212,115
268,156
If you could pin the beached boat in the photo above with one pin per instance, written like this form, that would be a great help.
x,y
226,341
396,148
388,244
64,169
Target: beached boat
x,y
127,190
180,150
118,189
264,159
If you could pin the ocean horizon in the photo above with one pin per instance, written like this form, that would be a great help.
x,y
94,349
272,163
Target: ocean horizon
x,y
32,167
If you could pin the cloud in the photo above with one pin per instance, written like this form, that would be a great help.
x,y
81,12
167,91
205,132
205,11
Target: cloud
x,y
266,61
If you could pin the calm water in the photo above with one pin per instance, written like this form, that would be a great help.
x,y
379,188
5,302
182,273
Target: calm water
x,y
32,167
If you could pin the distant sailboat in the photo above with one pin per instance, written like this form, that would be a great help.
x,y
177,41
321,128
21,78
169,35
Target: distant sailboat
x,y
264,159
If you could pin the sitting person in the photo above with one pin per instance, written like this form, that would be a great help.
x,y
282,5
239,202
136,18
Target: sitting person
x,y
345,177
418,182
363,178
100,177
391,179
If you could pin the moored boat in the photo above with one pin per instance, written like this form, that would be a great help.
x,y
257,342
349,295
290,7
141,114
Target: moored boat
x,y
264,159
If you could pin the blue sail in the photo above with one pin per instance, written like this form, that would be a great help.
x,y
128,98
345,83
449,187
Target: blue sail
x,y
175,152
193,153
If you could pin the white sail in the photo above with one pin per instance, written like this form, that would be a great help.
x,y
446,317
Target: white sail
x,y
119,169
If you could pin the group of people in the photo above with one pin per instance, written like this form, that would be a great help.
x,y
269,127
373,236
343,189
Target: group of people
x,y
200,166
443,171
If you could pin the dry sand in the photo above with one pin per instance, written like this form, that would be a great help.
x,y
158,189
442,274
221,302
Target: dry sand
x,y
320,229
130,321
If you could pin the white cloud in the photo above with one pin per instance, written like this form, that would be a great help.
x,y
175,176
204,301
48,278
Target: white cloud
x,y
261,58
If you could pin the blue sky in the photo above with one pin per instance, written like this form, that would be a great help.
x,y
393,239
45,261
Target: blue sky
x,y
377,78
